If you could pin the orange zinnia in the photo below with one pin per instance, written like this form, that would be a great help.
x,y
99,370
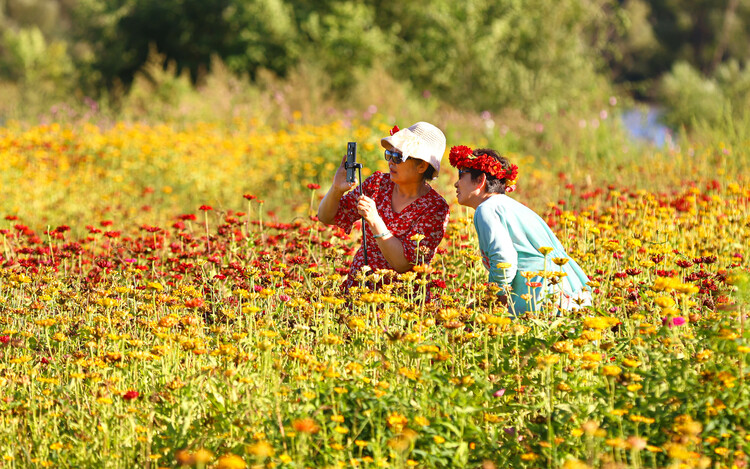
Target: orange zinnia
x,y
305,425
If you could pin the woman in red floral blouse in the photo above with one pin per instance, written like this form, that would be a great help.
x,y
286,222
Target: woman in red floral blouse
x,y
405,217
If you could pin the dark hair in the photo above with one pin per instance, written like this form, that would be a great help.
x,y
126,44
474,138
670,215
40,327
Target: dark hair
x,y
494,185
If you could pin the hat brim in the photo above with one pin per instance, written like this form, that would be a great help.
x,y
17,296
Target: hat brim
x,y
387,143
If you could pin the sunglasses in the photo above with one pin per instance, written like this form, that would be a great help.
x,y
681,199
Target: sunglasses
x,y
395,156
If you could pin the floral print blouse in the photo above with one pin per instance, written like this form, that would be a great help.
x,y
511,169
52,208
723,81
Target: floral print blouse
x,y
427,216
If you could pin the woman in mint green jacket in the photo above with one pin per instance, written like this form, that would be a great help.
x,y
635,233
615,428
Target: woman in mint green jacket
x,y
520,251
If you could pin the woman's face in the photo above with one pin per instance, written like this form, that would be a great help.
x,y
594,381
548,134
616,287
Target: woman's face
x,y
466,189
405,172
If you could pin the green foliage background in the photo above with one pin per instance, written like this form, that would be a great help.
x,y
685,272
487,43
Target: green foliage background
x,y
532,57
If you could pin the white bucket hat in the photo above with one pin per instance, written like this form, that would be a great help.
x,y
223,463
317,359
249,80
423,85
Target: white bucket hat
x,y
422,141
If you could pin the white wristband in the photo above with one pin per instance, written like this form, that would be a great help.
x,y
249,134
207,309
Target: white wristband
x,y
386,233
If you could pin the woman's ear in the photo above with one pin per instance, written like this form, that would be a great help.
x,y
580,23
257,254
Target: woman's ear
x,y
482,182
422,166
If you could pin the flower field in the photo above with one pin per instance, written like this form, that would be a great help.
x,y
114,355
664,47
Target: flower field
x,y
155,314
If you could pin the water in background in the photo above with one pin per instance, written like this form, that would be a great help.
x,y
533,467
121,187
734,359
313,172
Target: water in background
x,y
644,124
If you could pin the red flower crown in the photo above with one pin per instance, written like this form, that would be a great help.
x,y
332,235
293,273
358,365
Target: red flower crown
x,y
463,157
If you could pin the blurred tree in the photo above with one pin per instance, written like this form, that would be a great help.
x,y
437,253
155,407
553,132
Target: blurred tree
x,y
120,32
51,17
345,41
633,45
264,34
43,70
247,35
702,33
488,54
539,56
691,98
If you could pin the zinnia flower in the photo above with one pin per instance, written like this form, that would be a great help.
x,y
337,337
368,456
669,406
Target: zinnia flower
x,y
231,461
306,425
672,322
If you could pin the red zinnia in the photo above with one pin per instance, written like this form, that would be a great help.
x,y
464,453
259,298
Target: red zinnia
x,y
462,156
205,208
130,395
458,154
194,303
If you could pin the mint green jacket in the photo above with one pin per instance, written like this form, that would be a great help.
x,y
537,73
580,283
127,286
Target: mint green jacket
x,y
509,232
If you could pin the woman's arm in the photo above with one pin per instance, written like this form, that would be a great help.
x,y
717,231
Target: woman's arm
x,y
390,246
393,251
330,203
496,246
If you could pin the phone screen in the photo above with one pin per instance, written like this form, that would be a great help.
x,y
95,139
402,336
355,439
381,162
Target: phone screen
x,y
351,159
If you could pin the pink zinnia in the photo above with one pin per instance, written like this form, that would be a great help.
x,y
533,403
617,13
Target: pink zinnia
x,y
675,321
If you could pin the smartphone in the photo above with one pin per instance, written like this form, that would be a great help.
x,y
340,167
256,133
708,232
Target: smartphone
x,y
351,160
